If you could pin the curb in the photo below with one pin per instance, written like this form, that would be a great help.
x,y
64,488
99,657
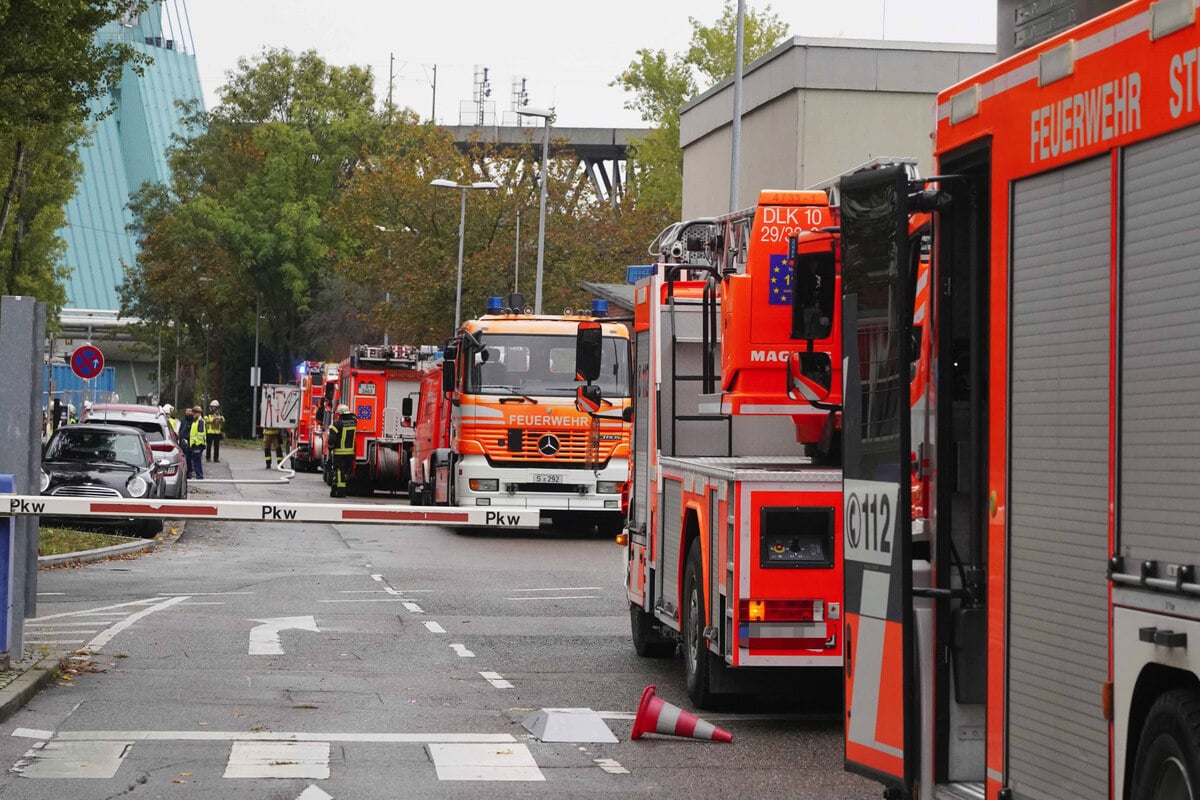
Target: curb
x,y
22,689
101,553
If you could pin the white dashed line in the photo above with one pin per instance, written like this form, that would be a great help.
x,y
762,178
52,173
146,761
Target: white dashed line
x,y
414,608
377,577
564,589
462,651
559,597
434,627
611,766
496,680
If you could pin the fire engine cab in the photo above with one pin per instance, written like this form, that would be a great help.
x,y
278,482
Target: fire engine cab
x,y
733,531
318,398
1031,628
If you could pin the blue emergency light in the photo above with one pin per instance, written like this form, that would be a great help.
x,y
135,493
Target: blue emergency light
x,y
599,307
495,305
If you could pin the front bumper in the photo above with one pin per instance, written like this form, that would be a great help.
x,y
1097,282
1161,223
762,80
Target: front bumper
x,y
541,487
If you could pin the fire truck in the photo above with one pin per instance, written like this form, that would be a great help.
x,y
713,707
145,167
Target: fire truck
x,y
502,427
318,398
379,384
1029,630
432,432
733,542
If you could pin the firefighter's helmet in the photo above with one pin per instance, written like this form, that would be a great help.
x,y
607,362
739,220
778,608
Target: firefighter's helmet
x,y
215,404
343,409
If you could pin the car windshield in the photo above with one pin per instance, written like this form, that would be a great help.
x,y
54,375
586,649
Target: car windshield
x,y
524,364
94,446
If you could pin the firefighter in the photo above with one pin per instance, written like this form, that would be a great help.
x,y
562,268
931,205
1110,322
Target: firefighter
x,y
341,446
196,440
273,440
214,424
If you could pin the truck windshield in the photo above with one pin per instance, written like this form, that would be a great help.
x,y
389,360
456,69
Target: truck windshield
x,y
542,365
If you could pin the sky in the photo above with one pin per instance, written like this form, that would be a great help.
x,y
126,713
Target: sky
x,y
567,51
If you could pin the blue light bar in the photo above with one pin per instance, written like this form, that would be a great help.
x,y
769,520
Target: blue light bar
x,y
495,305
599,308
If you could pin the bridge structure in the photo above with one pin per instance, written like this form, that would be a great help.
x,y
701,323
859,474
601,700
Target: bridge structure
x,y
601,152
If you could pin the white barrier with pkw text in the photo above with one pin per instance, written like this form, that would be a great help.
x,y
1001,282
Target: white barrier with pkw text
x,y
48,506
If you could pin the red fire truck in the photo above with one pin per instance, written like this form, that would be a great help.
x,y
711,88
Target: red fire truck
x,y
502,430
733,533
432,432
379,383
1032,633
318,398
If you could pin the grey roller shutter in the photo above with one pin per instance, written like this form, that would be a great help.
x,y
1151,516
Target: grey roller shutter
x,y
643,396
1160,357
1058,494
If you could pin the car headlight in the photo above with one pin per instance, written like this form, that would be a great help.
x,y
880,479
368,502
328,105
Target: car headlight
x,y
45,481
485,484
137,486
608,487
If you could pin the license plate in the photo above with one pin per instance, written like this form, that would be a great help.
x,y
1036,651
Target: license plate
x,y
547,478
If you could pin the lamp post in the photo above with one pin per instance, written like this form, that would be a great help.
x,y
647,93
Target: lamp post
x,y
546,117
462,223
254,376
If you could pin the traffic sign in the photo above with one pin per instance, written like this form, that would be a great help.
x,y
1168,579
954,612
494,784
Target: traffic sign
x,y
87,361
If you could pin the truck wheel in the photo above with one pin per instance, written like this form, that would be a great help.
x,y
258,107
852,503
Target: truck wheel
x,y
697,660
647,641
1167,766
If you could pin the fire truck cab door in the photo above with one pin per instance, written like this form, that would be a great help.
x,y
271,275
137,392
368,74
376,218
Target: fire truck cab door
x,y
881,723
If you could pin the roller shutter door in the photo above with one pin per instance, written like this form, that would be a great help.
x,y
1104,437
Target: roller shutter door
x,y
1057,503
1160,360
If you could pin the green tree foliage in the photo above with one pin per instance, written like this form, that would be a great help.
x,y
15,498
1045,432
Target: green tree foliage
x,y
659,84
242,222
53,72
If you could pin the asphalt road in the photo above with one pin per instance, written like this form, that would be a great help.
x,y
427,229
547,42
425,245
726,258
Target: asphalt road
x,y
301,661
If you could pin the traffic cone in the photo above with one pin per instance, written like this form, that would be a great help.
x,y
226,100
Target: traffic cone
x,y
655,715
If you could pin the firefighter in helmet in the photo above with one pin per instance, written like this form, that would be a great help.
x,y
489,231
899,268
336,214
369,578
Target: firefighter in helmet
x,y
341,447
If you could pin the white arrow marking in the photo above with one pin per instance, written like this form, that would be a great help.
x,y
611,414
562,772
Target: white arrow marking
x,y
264,638
313,793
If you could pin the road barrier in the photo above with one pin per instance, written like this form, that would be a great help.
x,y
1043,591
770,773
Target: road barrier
x,y
81,507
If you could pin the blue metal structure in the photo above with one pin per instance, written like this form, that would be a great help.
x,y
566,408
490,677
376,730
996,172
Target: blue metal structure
x,y
127,149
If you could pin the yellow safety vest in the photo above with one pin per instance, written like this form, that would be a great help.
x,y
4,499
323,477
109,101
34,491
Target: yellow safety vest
x,y
196,436
213,423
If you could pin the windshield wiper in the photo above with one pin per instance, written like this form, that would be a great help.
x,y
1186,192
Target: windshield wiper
x,y
521,395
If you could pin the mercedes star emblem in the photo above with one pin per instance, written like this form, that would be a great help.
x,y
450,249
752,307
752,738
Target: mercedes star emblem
x,y
548,444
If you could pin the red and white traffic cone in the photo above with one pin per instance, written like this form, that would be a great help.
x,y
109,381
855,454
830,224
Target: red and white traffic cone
x,y
655,715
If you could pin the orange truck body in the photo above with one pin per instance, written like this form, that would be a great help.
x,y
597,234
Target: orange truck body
x,y
1028,629
734,522
506,433
315,408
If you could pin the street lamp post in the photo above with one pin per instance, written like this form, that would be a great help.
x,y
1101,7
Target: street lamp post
x,y
462,223
254,376
546,117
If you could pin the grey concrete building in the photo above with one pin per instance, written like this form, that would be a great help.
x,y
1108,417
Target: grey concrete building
x,y
812,108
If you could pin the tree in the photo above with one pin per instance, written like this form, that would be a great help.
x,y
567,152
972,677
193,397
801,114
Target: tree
x,y
242,223
53,73
660,84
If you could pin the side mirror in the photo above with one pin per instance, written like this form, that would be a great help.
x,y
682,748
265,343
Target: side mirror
x,y
447,376
406,408
330,390
809,377
587,398
589,342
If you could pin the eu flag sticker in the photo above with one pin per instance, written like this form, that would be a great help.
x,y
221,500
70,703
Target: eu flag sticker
x,y
781,280
364,412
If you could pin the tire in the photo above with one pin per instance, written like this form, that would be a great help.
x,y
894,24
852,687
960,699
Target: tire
x,y
697,660
1167,766
148,528
647,641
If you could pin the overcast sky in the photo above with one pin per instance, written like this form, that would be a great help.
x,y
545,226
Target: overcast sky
x,y
568,51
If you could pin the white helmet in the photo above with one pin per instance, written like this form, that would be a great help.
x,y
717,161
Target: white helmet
x,y
343,409
215,404
168,408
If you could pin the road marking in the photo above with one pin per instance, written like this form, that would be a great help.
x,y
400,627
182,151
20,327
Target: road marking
x,y
101,611
74,760
264,638
278,760
390,590
496,679
611,766
51,594
564,589
468,762
368,600
377,577
106,636
414,608
560,597
462,651
55,641
314,793
91,625
281,736
33,733
204,603
434,627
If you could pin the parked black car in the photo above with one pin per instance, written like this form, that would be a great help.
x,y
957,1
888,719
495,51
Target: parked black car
x,y
93,460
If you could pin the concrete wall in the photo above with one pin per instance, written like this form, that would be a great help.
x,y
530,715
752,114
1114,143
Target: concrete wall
x,y
813,108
